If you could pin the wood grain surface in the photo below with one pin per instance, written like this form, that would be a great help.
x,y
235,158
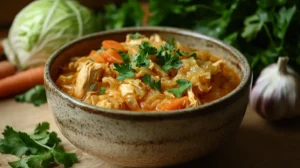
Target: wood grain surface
x,y
258,144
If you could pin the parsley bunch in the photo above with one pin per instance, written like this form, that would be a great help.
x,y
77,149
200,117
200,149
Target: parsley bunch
x,y
167,58
40,149
141,58
266,30
183,85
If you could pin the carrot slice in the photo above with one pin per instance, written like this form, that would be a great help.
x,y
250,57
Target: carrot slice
x,y
6,69
176,104
111,56
107,44
21,82
99,59
93,53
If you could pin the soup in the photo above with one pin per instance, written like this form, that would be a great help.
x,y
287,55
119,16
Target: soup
x,y
147,74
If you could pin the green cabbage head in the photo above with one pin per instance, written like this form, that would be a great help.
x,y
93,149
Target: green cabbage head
x,y
44,26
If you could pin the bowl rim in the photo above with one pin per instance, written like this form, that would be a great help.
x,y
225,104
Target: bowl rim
x,y
203,109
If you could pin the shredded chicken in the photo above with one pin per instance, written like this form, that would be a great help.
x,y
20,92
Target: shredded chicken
x,y
88,74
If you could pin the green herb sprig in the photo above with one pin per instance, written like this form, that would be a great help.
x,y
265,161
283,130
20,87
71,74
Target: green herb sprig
x,y
38,150
151,82
141,58
183,85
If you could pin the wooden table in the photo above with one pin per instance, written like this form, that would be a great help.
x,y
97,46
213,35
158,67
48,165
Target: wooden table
x,y
257,144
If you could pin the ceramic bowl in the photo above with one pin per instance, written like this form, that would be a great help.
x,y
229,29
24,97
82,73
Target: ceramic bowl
x,y
148,139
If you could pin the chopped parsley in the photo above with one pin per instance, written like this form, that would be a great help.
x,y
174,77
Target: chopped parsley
x,y
40,149
125,56
193,54
168,59
152,83
102,90
92,87
170,45
183,85
147,48
135,36
125,71
141,58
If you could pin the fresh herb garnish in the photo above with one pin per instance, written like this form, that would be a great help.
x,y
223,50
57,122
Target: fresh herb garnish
x,y
135,36
40,149
125,71
152,83
125,56
183,85
35,96
167,58
170,45
102,90
193,54
141,58
92,87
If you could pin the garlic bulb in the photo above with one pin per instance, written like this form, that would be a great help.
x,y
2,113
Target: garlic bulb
x,y
276,94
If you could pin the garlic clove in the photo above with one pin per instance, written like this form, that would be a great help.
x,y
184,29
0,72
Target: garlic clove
x,y
276,93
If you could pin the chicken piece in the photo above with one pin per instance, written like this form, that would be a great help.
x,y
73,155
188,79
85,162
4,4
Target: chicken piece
x,y
111,82
194,101
217,67
91,98
192,72
133,87
88,74
155,38
111,102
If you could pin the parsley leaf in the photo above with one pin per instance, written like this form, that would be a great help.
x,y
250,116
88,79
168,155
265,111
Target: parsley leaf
x,y
168,60
40,149
145,47
35,95
102,90
128,14
67,159
135,36
141,58
183,85
92,87
152,83
125,71
125,56
33,161
42,136
170,45
254,24
283,20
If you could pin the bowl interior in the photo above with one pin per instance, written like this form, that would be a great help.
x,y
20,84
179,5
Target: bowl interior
x,y
83,46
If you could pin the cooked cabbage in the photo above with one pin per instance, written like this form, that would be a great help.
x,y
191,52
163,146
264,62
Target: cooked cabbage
x,y
44,26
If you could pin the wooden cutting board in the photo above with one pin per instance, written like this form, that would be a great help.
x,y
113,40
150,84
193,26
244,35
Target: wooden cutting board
x,y
258,144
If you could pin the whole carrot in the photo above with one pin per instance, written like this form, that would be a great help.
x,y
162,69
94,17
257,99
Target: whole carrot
x,y
6,69
21,82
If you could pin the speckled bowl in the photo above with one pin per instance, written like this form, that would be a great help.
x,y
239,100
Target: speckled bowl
x,y
148,139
